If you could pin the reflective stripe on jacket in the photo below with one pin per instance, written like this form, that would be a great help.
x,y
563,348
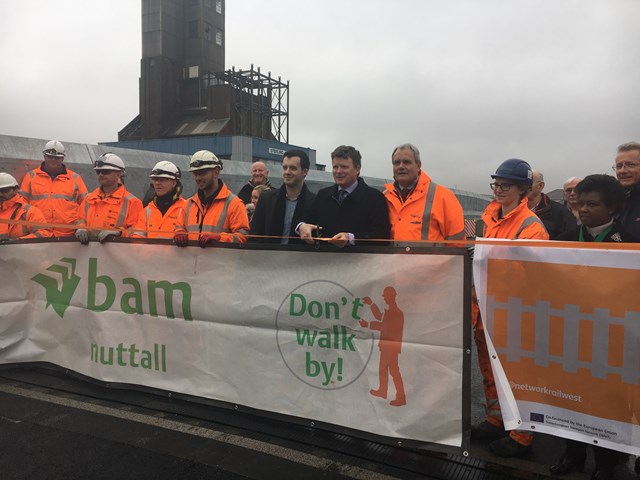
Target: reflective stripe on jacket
x,y
152,224
519,223
57,199
431,212
226,215
17,208
117,210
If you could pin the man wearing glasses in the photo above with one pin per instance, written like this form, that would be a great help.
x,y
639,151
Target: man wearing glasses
x,y
54,189
110,208
627,168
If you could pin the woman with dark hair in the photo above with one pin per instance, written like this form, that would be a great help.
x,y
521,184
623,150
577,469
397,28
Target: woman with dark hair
x,y
600,199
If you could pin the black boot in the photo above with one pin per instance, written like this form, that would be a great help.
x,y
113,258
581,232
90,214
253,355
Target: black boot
x,y
572,459
507,447
487,432
606,461
603,473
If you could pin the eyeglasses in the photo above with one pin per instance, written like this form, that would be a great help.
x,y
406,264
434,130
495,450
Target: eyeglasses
x,y
6,190
627,165
503,187
104,172
569,190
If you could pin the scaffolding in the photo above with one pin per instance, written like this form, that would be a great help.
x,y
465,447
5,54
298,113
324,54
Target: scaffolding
x,y
261,99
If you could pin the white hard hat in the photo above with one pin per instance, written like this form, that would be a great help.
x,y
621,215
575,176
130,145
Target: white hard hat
x,y
7,180
165,169
203,160
109,161
54,148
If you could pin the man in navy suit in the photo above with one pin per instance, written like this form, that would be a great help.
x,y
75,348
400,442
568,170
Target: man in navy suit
x,y
349,212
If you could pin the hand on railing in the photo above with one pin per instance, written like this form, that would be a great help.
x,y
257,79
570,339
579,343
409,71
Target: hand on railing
x,y
206,238
181,239
82,235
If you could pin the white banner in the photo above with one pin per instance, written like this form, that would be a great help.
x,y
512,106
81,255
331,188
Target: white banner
x,y
308,334
565,324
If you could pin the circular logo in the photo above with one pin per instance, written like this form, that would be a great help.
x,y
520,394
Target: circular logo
x,y
319,337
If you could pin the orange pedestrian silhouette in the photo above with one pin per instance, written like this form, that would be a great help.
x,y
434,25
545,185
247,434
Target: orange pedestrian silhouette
x,y
390,324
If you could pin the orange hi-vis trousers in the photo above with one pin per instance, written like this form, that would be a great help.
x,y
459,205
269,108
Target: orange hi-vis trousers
x,y
492,405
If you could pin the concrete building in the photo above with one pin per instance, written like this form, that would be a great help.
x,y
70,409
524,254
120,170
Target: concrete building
x,y
185,89
18,155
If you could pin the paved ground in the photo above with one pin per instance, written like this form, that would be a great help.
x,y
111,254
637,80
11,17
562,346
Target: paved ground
x,y
55,427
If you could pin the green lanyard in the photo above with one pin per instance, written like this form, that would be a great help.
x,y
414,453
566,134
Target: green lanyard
x,y
600,236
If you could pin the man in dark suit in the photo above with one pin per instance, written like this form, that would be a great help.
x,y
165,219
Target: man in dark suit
x,y
349,212
279,211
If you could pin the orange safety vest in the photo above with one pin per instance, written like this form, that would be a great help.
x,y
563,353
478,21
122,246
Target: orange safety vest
x,y
17,208
430,212
152,224
57,199
119,210
520,223
225,215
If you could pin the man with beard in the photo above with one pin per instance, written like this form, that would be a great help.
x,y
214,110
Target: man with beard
x,y
110,208
213,214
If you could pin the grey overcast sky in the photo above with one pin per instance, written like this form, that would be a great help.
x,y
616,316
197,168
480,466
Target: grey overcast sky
x,y
470,82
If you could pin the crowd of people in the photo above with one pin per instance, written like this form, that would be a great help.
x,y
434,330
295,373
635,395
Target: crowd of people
x,y
52,200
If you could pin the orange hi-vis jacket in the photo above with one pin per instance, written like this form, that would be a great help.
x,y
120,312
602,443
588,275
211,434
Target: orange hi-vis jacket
x,y
520,223
152,224
226,215
57,199
17,208
119,210
431,212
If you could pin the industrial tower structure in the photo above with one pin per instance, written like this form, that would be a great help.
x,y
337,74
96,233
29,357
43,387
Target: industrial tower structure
x,y
185,90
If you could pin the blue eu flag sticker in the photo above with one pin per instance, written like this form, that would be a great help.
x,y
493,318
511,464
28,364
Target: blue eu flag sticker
x,y
537,417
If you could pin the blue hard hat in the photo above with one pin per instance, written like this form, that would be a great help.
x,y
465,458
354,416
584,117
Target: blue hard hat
x,y
515,169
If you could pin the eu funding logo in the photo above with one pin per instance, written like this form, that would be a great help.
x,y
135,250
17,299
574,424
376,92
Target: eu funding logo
x,y
60,287
536,417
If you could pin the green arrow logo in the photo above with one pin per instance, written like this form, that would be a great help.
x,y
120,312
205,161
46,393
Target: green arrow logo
x,y
59,298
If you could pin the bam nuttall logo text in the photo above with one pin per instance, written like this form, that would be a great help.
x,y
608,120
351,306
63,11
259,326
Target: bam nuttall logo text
x,y
103,292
